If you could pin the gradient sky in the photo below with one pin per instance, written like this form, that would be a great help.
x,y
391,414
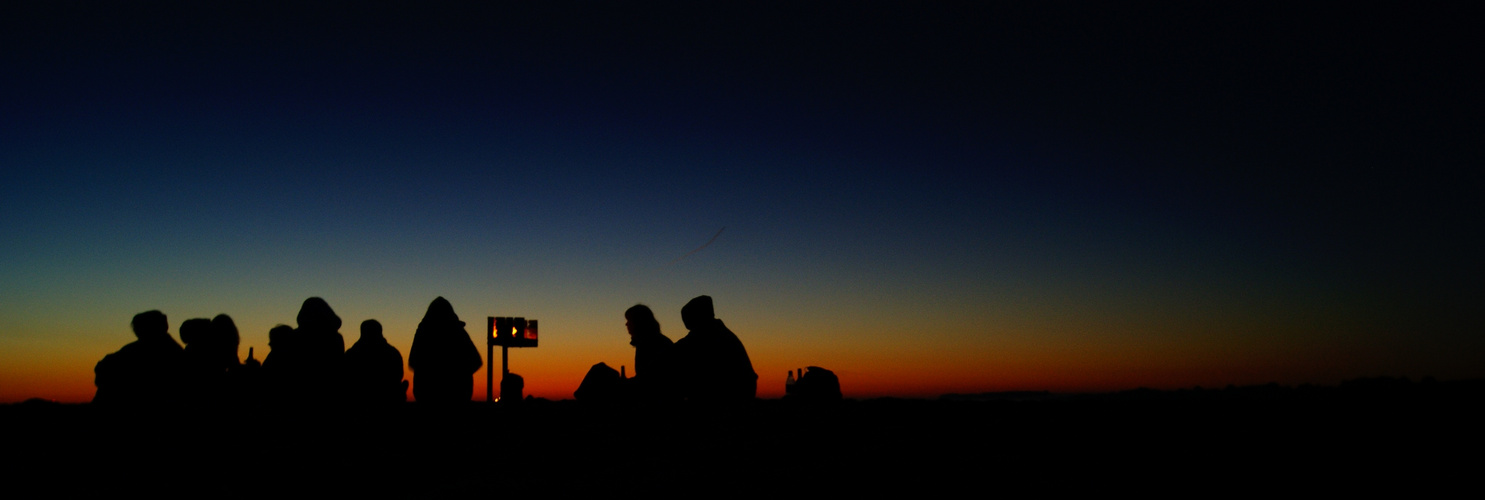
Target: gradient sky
x,y
924,199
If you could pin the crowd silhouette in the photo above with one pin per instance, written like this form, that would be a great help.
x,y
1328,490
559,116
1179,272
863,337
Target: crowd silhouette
x,y
308,365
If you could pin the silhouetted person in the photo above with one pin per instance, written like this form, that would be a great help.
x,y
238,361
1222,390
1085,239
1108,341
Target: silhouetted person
x,y
241,382
654,359
144,372
374,368
323,350
283,367
227,341
712,363
280,348
205,377
511,387
443,359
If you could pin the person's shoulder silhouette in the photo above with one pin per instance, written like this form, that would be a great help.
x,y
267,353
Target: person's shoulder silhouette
x,y
146,371
443,358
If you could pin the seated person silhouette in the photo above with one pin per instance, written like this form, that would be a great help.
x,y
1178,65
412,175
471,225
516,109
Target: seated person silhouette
x,y
711,363
654,359
146,371
374,368
654,365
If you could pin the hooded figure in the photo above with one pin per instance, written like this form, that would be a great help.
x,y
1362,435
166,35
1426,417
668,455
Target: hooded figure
x,y
712,362
319,331
321,350
443,359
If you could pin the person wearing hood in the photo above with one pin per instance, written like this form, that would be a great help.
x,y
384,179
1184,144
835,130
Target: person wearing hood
x,y
319,330
443,358
713,364
321,350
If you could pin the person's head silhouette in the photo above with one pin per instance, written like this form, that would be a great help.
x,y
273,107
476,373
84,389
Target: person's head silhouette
x,y
316,314
150,324
371,330
641,320
698,313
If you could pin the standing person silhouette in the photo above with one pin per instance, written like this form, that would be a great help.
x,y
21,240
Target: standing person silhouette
x,y
374,368
713,364
443,359
204,380
322,349
284,367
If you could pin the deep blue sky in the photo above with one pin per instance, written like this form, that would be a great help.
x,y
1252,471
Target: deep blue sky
x,y
1041,169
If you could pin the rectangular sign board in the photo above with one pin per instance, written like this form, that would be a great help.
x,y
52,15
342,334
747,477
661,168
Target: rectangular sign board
x,y
512,332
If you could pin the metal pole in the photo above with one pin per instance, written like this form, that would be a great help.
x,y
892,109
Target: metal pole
x,y
489,373
504,367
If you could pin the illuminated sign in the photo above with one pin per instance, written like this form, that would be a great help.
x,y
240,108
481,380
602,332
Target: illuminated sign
x,y
512,332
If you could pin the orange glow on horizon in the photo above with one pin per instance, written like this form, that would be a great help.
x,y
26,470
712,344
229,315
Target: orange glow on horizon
x,y
870,358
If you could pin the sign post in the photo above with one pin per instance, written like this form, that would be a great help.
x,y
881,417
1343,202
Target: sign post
x,y
506,332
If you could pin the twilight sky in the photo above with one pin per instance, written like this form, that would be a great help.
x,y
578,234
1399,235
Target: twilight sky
x,y
924,199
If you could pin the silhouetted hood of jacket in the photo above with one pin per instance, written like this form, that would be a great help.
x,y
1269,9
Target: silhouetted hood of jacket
x,y
319,329
440,313
442,335
316,315
698,312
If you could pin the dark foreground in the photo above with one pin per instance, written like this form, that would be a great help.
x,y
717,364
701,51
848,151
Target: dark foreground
x,y
1408,438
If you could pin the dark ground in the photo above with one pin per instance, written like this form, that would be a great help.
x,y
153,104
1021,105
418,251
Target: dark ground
x,y
1366,435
